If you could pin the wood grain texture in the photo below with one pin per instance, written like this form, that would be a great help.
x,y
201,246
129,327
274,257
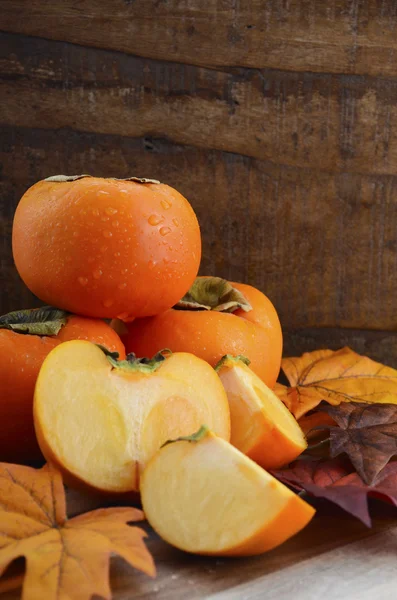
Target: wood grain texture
x,y
336,36
286,150
323,260
317,122
335,556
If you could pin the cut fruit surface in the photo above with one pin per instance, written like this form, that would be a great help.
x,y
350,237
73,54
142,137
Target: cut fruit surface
x,y
206,497
100,421
261,425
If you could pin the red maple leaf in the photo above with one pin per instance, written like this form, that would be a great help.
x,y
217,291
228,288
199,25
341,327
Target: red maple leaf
x,y
337,481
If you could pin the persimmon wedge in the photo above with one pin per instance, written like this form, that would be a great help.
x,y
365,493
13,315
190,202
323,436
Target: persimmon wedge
x,y
100,420
204,496
262,427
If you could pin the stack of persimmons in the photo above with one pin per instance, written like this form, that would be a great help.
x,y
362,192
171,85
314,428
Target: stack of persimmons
x,y
116,261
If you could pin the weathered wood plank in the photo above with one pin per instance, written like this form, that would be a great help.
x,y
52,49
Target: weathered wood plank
x,y
320,553
330,123
336,36
365,569
323,246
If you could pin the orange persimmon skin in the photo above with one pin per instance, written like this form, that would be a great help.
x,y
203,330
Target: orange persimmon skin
x,y
210,334
105,247
21,357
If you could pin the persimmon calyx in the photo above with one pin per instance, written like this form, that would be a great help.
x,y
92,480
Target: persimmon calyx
x,y
133,364
194,437
45,321
70,178
231,358
213,293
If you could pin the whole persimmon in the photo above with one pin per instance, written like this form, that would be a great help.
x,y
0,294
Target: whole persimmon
x,y
213,319
106,247
26,338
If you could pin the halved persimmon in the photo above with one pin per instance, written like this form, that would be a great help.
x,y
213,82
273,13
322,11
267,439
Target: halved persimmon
x,y
100,420
261,425
203,496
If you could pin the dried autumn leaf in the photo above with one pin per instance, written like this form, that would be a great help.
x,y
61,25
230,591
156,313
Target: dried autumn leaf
x,y
336,481
367,433
341,376
64,558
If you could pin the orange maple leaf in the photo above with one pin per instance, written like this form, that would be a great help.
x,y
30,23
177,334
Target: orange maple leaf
x,y
341,376
64,558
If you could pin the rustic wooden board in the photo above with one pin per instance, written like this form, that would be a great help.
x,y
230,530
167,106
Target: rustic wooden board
x,y
336,36
292,175
324,261
335,556
292,172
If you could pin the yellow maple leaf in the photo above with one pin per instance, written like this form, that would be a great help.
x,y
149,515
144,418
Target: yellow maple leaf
x,y
64,558
341,376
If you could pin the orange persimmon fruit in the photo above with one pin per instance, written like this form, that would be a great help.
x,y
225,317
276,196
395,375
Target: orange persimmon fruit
x,y
26,338
202,323
262,427
100,420
106,247
202,495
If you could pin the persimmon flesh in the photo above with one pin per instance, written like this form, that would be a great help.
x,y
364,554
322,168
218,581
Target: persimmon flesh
x,y
106,247
262,427
206,497
101,423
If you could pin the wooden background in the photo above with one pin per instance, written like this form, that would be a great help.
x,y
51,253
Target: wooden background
x,y
277,119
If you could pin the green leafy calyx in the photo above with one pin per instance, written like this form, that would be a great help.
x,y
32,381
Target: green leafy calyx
x,y
213,293
229,358
70,178
195,437
133,364
44,321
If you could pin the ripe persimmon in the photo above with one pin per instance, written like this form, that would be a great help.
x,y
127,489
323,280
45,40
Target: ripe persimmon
x,y
200,325
106,247
26,338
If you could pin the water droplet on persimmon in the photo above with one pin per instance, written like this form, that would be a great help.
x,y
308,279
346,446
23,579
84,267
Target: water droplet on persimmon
x,y
82,281
108,303
166,204
110,210
122,286
123,316
165,230
175,222
155,219
97,274
107,234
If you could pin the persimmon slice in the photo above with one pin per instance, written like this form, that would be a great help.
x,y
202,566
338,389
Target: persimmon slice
x,y
262,427
101,420
204,496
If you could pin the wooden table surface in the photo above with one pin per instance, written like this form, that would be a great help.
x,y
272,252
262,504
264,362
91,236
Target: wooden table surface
x,y
335,557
